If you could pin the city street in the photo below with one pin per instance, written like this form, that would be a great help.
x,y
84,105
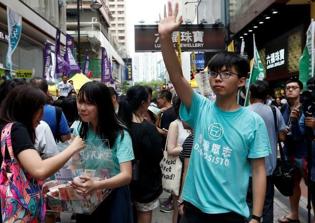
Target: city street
x,y
105,103
281,208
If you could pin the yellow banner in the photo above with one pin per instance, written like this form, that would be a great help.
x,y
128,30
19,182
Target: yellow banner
x,y
193,63
230,47
23,73
179,48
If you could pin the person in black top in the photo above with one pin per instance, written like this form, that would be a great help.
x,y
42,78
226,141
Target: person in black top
x,y
168,114
23,107
146,186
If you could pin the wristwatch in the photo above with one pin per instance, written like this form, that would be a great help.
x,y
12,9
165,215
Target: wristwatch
x,y
257,218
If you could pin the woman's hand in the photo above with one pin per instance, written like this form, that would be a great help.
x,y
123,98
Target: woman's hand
x,y
168,24
84,184
77,144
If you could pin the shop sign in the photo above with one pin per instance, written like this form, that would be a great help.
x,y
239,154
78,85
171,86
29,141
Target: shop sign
x,y
200,61
192,37
128,70
23,73
275,59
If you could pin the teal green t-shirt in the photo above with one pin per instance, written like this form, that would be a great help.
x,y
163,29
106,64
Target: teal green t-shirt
x,y
98,156
219,167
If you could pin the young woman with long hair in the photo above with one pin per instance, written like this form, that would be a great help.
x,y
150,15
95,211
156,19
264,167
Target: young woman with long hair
x,y
23,107
146,186
110,154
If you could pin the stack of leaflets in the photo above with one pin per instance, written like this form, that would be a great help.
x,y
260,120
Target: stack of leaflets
x,y
62,197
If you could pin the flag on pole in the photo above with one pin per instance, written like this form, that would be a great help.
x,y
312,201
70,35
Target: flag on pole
x,y
257,71
59,60
230,47
86,63
110,71
242,47
70,65
306,63
49,69
105,67
14,30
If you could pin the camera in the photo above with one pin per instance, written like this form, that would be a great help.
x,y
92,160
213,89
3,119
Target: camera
x,y
308,99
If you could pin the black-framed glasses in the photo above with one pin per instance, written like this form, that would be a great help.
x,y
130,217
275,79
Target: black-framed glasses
x,y
292,87
223,75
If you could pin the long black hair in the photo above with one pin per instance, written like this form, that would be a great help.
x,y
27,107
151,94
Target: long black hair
x,y
21,104
135,96
108,126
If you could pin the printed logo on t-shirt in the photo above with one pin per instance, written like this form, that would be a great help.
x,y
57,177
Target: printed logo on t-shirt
x,y
215,131
214,153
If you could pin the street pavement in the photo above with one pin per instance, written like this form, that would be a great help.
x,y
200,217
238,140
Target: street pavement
x,y
281,208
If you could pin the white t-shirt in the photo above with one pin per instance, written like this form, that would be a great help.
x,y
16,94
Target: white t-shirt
x,y
64,88
45,142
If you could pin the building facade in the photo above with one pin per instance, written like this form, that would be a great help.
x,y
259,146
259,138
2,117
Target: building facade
x,y
279,27
39,24
118,27
94,34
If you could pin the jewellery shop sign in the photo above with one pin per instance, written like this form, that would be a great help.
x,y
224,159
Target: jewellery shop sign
x,y
192,37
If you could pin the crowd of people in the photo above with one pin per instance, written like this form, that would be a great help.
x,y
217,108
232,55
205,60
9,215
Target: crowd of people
x,y
229,152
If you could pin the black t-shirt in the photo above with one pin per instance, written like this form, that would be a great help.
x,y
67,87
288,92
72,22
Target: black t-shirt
x,y
20,138
167,117
147,145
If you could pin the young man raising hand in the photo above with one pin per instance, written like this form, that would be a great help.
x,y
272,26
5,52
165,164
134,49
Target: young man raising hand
x,y
230,141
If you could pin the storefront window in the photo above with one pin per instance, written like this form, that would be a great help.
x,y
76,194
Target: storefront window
x,y
21,55
48,9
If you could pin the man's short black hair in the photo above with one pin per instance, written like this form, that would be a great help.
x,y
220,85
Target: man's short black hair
x,y
41,83
229,60
259,90
294,80
166,94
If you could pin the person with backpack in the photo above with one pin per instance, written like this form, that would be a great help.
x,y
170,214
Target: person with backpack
x,y
53,115
22,169
275,126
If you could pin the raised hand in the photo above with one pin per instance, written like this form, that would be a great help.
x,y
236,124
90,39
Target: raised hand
x,y
169,23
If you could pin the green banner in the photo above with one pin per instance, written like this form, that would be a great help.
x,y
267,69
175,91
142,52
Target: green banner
x,y
257,71
306,63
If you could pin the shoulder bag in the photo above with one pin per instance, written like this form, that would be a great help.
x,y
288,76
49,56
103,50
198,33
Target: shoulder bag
x,y
283,174
21,195
171,168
